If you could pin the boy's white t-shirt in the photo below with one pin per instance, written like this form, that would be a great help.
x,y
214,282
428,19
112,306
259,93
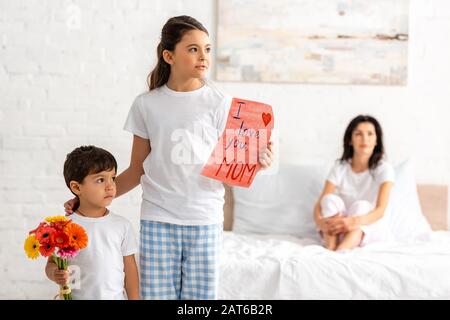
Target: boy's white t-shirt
x,y
183,129
99,268
352,186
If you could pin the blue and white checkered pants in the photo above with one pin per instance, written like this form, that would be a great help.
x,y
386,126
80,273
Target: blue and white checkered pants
x,y
179,262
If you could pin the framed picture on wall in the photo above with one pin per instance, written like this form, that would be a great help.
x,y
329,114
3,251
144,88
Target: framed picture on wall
x,y
313,41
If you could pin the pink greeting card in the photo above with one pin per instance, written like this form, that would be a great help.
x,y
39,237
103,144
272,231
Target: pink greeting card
x,y
235,157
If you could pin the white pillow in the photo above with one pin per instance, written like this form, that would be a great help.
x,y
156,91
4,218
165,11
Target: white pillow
x,y
404,213
281,203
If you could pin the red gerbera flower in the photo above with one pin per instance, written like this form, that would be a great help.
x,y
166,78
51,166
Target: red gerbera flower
x,y
60,239
44,234
46,249
59,225
40,226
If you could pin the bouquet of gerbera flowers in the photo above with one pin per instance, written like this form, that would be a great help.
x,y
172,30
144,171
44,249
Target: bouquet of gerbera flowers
x,y
59,238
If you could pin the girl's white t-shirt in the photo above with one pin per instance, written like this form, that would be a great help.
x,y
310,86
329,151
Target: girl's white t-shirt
x,y
183,129
99,268
352,186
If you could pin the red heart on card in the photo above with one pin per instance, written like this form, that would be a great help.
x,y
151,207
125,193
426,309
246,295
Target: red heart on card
x,y
267,117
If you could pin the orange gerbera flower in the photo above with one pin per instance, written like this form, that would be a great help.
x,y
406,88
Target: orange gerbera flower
x,y
60,239
77,236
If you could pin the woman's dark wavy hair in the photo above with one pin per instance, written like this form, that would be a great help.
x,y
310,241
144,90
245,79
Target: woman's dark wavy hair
x,y
172,32
378,151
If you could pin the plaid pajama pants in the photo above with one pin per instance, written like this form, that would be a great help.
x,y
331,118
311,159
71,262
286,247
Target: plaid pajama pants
x,y
179,262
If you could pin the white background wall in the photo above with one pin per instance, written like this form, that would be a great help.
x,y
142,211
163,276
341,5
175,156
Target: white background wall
x,y
69,71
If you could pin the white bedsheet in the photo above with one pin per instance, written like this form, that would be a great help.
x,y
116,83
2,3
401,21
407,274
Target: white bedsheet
x,y
284,267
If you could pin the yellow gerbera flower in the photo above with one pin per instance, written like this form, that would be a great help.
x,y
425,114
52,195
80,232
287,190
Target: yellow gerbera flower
x,y
31,247
56,219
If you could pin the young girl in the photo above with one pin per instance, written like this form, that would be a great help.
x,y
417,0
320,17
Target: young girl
x,y
353,216
176,126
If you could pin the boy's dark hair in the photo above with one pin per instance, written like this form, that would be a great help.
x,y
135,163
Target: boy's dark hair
x,y
172,32
378,151
86,160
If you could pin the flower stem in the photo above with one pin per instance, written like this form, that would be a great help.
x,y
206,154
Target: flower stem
x,y
62,265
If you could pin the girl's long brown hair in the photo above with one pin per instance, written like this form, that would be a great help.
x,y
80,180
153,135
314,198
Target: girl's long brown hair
x,y
172,32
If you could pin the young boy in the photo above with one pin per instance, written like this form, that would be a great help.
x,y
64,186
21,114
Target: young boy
x,y
107,265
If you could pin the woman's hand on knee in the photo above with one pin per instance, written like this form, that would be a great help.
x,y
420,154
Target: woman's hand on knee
x,y
325,223
339,224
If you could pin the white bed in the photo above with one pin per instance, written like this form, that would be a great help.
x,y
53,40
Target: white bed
x,y
277,267
269,266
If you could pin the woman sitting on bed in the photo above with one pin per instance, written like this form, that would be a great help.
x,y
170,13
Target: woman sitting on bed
x,y
349,212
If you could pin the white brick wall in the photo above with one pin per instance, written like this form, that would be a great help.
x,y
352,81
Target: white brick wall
x,y
69,71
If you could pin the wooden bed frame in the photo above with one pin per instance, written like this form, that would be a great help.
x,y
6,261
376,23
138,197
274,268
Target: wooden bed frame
x,y
433,200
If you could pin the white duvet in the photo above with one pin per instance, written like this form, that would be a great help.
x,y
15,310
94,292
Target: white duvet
x,y
284,267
